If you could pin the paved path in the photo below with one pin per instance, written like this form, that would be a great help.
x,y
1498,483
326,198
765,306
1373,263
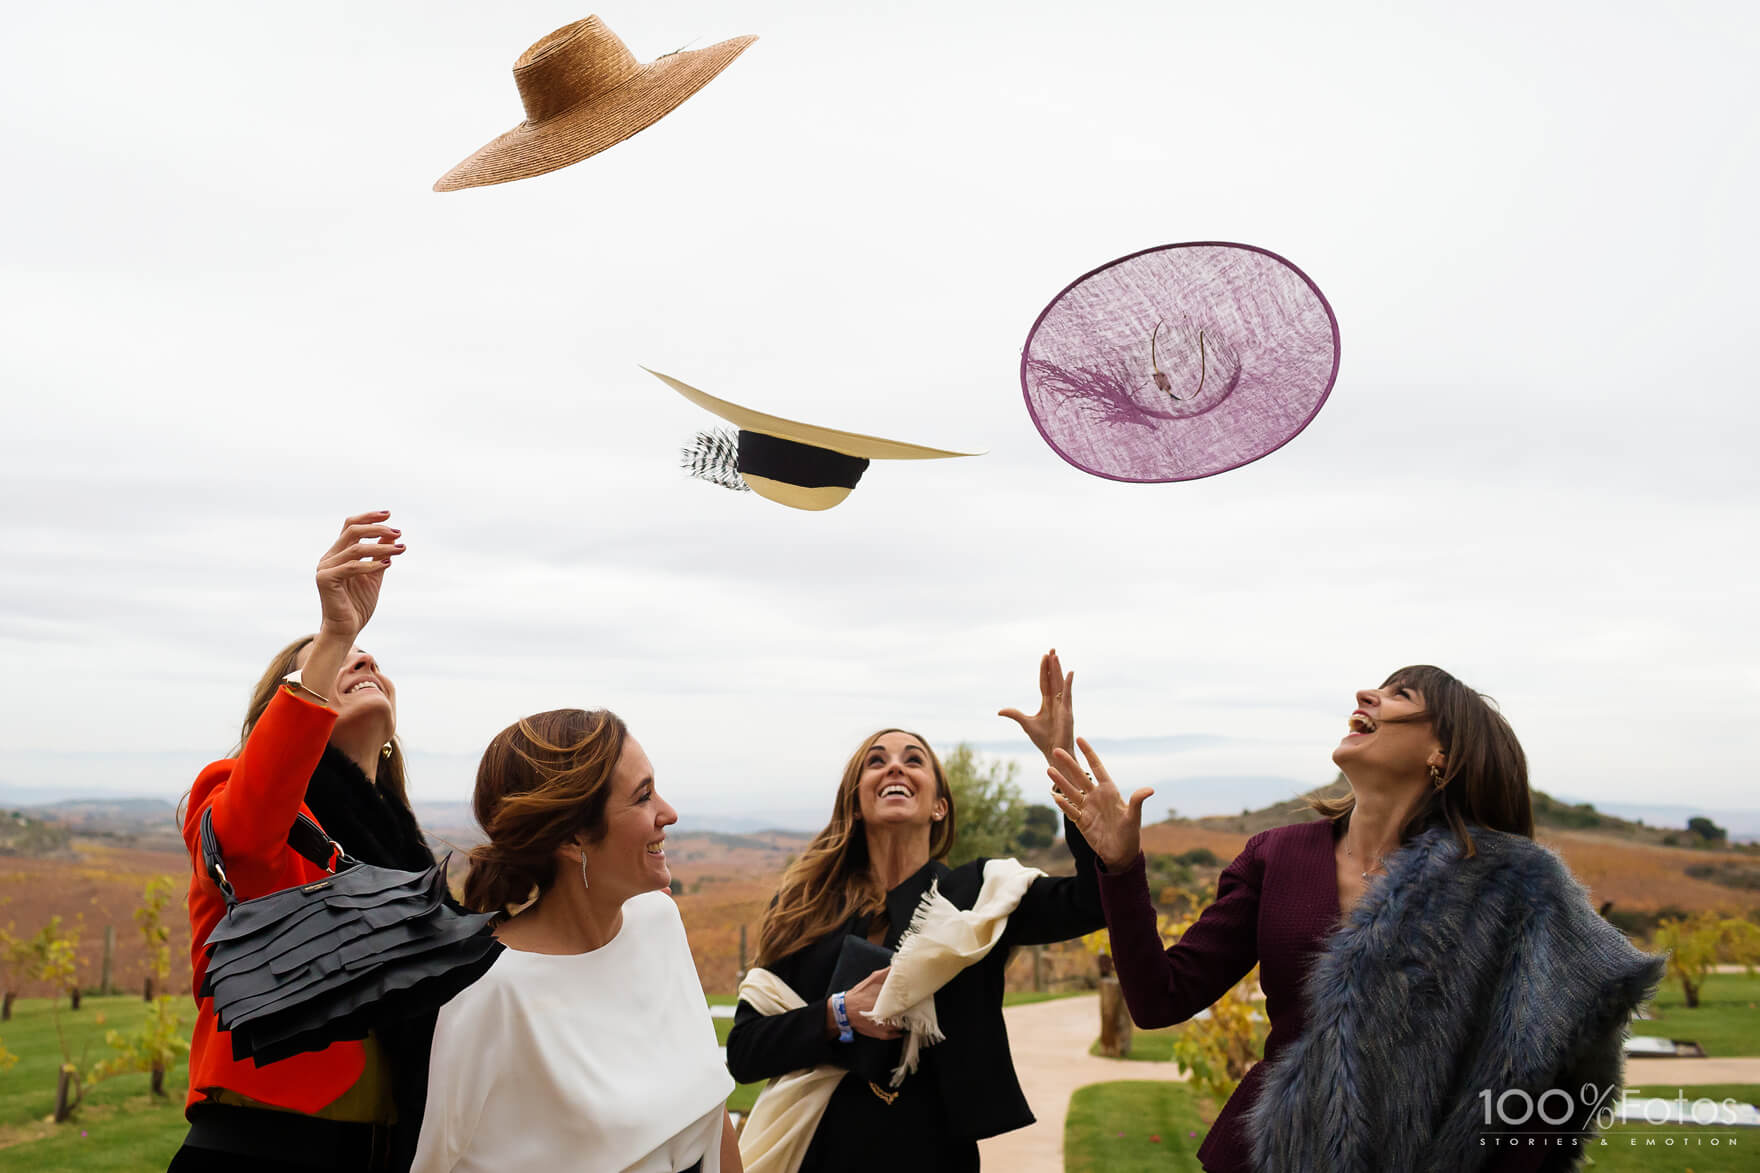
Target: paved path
x,y
1050,1042
1651,1074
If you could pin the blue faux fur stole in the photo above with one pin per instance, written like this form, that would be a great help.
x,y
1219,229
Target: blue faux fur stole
x,y
1451,977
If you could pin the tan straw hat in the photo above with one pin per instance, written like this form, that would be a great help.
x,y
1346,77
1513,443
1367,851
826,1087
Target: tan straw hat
x,y
803,466
584,91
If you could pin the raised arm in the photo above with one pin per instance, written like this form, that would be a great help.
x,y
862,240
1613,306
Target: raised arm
x,y
1161,986
1056,908
255,799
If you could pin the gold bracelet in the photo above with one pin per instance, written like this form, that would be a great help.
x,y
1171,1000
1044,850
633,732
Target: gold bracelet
x,y
315,695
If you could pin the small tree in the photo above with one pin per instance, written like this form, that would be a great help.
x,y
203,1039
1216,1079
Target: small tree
x,y
988,810
1039,826
54,960
1697,943
1707,830
19,957
1216,1049
159,1042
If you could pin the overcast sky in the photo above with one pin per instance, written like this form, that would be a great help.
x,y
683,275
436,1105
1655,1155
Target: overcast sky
x,y
232,312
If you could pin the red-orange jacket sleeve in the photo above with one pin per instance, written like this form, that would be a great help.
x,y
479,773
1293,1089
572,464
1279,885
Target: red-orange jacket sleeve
x,y
257,799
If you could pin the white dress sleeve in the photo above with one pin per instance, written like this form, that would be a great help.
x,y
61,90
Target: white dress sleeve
x,y
468,1051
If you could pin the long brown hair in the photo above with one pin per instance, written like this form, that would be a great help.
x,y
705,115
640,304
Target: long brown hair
x,y
544,780
1484,775
389,776
832,881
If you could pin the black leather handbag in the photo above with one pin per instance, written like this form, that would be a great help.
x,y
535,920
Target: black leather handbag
x,y
311,965
872,1059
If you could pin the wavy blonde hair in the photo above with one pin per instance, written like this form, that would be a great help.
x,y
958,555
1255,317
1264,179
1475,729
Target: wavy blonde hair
x,y
832,880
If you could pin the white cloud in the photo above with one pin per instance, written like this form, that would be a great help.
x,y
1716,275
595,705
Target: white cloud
x,y
233,313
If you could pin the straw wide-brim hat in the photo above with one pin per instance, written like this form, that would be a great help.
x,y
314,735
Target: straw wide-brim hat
x,y
786,473
583,91
1181,361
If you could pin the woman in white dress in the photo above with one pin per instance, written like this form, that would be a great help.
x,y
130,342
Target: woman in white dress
x,y
588,1044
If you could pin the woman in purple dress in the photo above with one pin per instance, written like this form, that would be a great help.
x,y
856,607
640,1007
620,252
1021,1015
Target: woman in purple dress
x,y
1441,993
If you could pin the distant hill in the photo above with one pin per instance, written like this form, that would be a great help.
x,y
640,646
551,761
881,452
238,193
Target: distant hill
x,y
147,823
1549,814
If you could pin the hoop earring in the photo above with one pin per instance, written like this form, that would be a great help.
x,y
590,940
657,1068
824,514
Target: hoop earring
x,y
584,884
1436,780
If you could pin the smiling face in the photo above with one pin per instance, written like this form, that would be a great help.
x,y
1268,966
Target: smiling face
x,y
897,785
630,857
1391,736
362,694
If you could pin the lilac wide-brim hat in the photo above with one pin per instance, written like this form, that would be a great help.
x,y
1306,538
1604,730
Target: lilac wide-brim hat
x,y
1180,362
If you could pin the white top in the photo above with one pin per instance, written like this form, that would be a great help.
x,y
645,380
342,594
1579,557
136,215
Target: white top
x,y
601,1061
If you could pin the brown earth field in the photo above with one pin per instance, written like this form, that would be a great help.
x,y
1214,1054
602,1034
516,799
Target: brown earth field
x,y
1635,876
728,881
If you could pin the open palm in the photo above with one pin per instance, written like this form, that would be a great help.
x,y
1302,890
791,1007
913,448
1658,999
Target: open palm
x,y
1054,724
352,571
1112,826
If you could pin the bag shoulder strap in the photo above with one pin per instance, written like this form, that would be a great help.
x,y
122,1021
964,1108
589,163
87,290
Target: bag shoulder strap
x,y
305,837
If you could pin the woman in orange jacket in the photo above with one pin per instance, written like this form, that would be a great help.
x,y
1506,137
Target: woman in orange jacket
x,y
319,739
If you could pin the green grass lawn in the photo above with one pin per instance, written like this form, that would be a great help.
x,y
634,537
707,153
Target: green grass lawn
x,y
745,1094
1130,1126
1133,1127
1644,1148
1726,1022
119,1125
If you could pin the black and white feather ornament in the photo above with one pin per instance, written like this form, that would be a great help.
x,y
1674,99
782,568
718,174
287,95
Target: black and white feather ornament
x,y
714,457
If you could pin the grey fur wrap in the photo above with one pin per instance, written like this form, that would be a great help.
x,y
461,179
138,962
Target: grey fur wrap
x,y
1451,975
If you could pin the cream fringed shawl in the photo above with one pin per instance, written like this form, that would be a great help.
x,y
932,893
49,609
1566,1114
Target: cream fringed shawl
x,y
942,940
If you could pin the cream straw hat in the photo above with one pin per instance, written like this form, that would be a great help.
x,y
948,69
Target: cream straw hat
x,y
803,466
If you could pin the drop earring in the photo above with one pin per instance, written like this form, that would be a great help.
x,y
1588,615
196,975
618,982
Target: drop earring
x,y
385,751
1436,780
584,884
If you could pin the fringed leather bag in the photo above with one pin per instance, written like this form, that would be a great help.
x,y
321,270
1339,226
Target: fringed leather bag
x,y
311,965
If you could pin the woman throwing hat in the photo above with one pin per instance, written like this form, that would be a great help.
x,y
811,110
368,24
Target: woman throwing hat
x,y
1441,993
897,1062
319,739
587,1045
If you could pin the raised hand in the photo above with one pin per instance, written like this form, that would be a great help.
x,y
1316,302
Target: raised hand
x,y
1054,725
351,572
1112,826
859,1001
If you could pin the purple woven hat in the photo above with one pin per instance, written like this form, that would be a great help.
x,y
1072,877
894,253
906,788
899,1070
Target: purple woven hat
x,y
1180,362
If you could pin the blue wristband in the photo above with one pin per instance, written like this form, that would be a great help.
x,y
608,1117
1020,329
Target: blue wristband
x,y
844,1033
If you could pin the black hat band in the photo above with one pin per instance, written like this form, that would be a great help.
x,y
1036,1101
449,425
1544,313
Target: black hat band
x,y
794,463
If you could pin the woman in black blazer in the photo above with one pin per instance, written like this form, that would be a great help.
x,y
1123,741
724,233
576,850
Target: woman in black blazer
x,y
864,876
